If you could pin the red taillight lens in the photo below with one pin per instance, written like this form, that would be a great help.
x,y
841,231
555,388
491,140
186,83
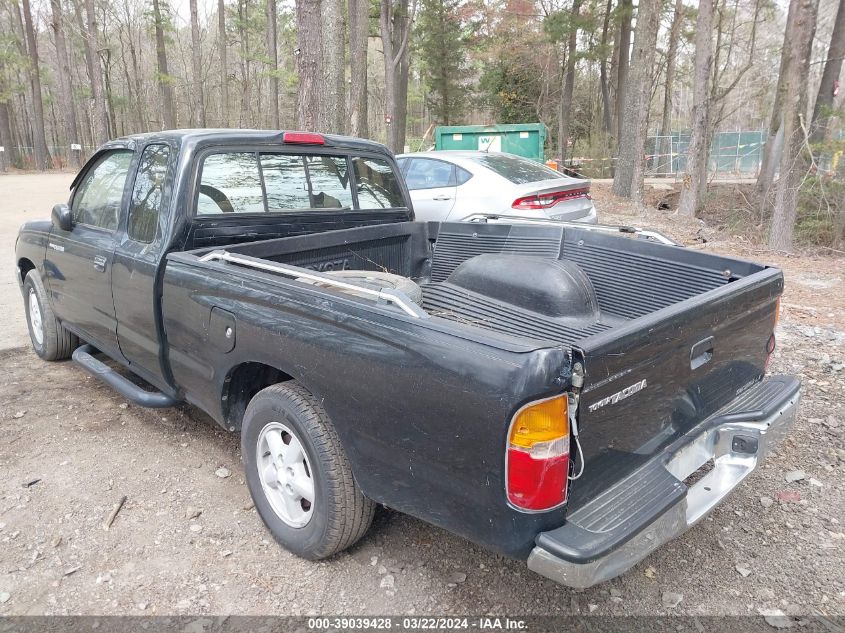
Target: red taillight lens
x,y
546,200
303,138
538,455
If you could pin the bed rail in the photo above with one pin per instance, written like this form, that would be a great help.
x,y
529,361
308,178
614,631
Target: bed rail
x,y
388,295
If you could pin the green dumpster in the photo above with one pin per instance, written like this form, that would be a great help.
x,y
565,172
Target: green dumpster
x,y
522,139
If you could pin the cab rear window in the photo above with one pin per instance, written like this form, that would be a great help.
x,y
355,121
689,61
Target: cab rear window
x,y
268,182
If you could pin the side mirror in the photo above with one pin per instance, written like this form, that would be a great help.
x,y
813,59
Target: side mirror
x,y
62,218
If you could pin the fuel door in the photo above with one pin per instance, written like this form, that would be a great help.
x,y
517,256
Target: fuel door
x,y
221,330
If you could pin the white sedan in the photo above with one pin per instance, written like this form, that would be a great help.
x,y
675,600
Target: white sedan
x,y
466,186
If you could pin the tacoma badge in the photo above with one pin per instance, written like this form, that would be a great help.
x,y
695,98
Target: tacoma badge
x,y
619,395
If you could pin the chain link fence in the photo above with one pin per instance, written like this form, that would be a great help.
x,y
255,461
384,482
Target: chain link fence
x,y
732,154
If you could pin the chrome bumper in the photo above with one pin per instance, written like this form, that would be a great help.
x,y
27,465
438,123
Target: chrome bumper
x,y
735,443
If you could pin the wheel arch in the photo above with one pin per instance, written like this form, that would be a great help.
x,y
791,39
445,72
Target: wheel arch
x,y
242,382
24,266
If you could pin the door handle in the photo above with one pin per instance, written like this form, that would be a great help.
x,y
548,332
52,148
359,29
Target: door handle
x,y
100,263
441,197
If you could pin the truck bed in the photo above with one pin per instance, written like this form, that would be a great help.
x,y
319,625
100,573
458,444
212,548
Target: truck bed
x,y
688,329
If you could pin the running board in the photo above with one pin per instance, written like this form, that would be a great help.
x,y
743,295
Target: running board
x,y
84,356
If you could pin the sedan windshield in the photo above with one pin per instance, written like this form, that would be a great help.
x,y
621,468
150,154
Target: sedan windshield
x,y
517,170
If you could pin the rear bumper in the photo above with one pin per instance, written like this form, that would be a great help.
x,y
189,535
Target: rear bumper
x,y
599,542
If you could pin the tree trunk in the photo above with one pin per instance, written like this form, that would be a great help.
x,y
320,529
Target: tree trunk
x,y
196,64
42,156
100,115
402,76
696,163
830,75
65,94
273,55
793,160
359,30
568,83
774,140
669,84
333,77
623,45
165,86
395,20
9,156
386,23
105,64
224,65
605,89
628,180
308,62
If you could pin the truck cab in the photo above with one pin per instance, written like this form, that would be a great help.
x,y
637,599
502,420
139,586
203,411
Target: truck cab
x,y
140,197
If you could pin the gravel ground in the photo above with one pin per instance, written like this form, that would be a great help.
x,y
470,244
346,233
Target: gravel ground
x,y
187,540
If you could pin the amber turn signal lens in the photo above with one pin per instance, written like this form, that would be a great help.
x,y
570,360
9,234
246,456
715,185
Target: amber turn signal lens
x,y
543,421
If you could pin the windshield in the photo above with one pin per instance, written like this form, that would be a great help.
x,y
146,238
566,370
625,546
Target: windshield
x,y
516,169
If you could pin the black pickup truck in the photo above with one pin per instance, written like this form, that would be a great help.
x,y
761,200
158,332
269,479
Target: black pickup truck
x,y
569,396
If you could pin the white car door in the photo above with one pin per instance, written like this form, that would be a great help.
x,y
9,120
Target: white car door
x,y
432,186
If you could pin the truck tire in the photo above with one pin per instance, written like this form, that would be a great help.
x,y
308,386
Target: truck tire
x,y
291,452
50,340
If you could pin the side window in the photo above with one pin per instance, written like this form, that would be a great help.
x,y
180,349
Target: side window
x,y
463,175
230,184
378,187
96,201
425,173
147,195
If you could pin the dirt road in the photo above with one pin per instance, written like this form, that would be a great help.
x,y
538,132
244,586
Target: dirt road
x,y
188,541
23,197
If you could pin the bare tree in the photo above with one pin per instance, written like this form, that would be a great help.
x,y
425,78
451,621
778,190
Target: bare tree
x,y
273,55
774,139
42,156
68,104
222,44
395,20
165,82
628,179
333,77
669,81
568,83
308,62
607,110
623,46
793,160
9,154
830,75
196,64
359,31
696,158
100,117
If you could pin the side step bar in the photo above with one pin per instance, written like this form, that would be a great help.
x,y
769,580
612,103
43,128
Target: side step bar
x,y
84,357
